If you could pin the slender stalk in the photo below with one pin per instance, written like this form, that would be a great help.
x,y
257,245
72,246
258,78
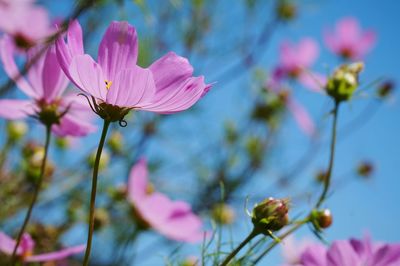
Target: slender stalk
x,y
327,179
253,234
35,196
93,193
327,182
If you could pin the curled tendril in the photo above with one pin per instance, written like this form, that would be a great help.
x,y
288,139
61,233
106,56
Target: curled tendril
x,y
89,102
122,122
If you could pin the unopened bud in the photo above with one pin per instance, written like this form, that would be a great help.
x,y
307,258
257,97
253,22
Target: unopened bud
x,y
223,214
104,159
321,176
16,130
344,81
115,142
118,193
270,215
321,218
286,10
63,143
365,169
101,218
385,89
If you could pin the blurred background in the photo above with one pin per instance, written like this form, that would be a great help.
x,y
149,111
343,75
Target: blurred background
x,y
233,136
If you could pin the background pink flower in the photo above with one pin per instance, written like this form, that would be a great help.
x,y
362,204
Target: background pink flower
x,y
173,219
26,249
167,86
45,84
349,40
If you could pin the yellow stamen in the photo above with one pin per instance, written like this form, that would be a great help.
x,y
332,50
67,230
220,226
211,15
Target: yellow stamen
x,y
108,84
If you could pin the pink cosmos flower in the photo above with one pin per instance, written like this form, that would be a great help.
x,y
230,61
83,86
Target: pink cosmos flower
x,y
25,249
298,111
27,23
295,61
173,219
117,85
349,40
44,84
351,252
292,250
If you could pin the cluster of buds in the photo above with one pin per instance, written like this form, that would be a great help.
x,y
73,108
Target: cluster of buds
x,y
223,214
270,215
344,81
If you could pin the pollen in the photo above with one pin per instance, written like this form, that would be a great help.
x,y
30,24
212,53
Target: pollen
x,y
108,84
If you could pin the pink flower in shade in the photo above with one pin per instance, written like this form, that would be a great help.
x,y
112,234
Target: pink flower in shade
x,y
26,247
117,85
351,252
44,84
349,40
298,111
27,23
173,219
295,61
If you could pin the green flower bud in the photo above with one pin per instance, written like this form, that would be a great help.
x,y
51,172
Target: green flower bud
x,y
286,10
63,143
16,130
116,142
365,169
223,214
321,219
254,150
344,81
270,215
385,89
101,218
104,159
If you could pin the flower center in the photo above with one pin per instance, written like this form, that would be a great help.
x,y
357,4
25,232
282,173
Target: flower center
x,y
108,84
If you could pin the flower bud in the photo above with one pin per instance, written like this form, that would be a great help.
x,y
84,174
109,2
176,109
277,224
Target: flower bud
x,y
286,10
190,261
63,143
101,218
321,218
16,130
223,214
270,215
104,159
385,89
344,81
365,169
321,176
118,193
254,150
116,142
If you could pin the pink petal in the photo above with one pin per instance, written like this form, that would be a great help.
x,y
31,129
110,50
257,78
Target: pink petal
x,y
132,87
341,253
53,79
88,76
138,181
6,52
170,71
73,126
348,30
65,52
154,208
388,255
307,52
314,255
7,244
366,42
118,49
302,117
179,98
16,109
57,255
312,81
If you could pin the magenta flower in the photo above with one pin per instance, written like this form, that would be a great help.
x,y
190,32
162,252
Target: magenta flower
x,y
295,62
28,24
349,40
173,219
117,85
26,248
351,252
44,84
298,111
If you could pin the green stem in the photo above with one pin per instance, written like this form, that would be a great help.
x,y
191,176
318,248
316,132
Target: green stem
x,y
35,196
327,179
327,182
253,234
93,193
